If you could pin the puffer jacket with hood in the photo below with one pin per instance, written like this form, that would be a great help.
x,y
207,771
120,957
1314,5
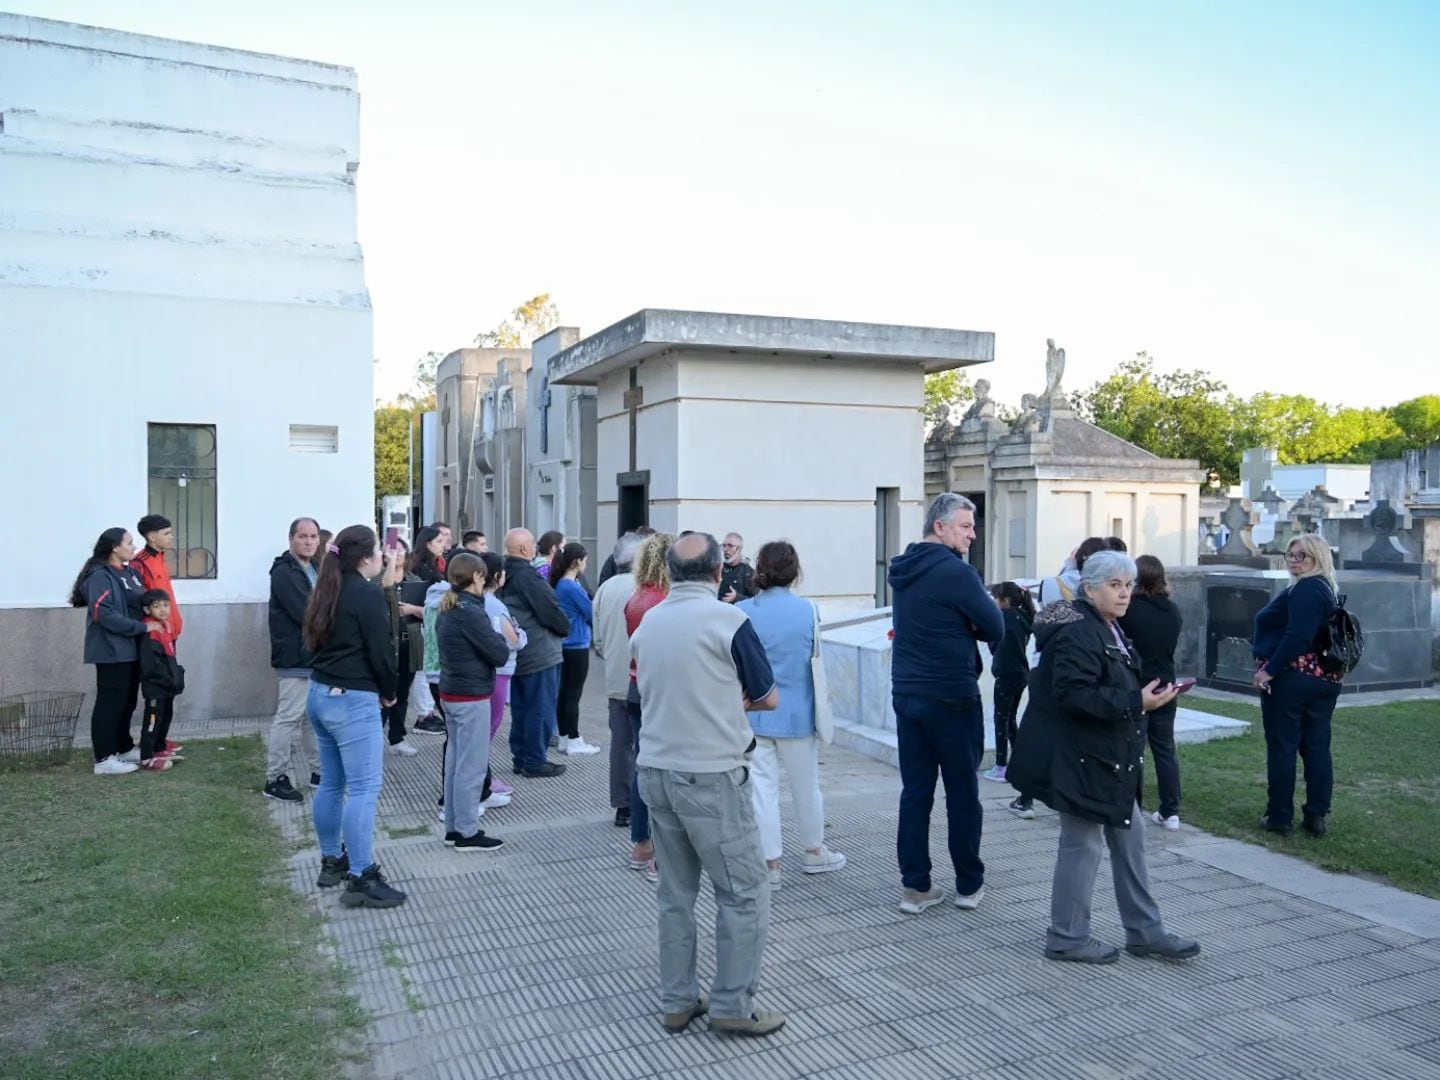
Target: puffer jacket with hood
x,y
940,610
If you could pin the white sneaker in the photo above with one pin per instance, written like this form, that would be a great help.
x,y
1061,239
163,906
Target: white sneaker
x,y
132,755
404,749
823,861
1172,822
774,875
113,766
970,901
577,747
496,800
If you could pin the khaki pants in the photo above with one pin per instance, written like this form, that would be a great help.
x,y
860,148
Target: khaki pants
x,y
290,721
707,820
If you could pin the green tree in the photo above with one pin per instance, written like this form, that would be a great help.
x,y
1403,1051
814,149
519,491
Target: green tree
x,y
1179,414
532,319
945,391
1418,420
425,369
394,423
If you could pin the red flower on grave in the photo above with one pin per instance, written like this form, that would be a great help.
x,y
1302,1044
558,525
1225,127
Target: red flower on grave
x,y
891,635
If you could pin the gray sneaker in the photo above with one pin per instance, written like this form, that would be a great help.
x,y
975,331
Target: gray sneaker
x,y
1170,947
677,1022
754,1025
913,902
1089,952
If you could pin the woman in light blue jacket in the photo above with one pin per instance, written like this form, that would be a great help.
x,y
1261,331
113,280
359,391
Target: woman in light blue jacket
x,y
786,625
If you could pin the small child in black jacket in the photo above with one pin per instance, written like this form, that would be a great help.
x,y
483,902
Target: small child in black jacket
x,y
162,680
1011,668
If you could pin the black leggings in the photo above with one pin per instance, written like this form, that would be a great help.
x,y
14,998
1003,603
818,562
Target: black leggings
x,y
1007,708
395,714
117,689
574,667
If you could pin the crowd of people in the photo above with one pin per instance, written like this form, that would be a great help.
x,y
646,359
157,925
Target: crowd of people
x,y
708,665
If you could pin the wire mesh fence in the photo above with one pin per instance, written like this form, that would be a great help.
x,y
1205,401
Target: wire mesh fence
x,y
39,725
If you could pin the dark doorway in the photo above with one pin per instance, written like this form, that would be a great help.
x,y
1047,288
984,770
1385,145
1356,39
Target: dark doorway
x,y
887,540
976,558
634,488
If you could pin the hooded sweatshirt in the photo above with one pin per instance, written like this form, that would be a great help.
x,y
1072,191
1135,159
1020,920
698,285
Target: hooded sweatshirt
x,y
1011,654
941,609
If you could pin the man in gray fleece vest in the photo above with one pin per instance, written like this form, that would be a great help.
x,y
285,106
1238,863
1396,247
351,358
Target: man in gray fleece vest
x,y
700,666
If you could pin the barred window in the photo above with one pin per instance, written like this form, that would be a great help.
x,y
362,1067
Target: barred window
x,y
182,486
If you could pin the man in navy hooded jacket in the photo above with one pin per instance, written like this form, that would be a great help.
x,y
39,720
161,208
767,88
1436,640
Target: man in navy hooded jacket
x,y
941,611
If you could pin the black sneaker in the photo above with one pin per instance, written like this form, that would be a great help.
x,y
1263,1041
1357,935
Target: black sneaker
x,y
549,768
450,838
479,842
1274,826
334,869
281,788
1022,808
622,817
314,779
429,725
1315,825
370,889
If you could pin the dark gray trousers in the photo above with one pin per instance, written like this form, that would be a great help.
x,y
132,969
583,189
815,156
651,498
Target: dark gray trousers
x,y
1078,861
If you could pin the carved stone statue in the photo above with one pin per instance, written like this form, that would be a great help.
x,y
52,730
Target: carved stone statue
x,y
1054,368
983,408
1028,422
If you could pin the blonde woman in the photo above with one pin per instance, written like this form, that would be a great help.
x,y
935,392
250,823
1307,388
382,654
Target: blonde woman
x,y
652,584
1297,694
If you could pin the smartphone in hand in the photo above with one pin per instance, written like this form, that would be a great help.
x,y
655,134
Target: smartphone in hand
x,y
1181,686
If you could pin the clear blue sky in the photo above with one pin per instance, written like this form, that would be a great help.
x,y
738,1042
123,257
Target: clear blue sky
x,y
1246,188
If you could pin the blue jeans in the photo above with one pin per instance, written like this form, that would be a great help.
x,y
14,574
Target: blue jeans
x,y
639,812
351,738
534,699
940,737
1297,713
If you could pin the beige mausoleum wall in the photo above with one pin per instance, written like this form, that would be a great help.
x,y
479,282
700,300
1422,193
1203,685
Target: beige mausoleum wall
x,y
773,447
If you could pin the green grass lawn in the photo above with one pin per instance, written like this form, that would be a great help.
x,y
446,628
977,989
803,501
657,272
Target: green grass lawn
x,y
149,931
1385,822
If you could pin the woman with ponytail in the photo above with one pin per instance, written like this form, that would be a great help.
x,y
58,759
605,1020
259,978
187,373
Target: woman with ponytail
x,y
565,570
115,622
470,652
353,675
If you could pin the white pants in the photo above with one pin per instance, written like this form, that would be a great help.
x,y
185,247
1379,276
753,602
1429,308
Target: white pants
x,y
422,703
801,759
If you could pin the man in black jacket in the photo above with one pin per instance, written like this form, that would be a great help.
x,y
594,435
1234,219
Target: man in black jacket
x,y
535,690
292,575
737,577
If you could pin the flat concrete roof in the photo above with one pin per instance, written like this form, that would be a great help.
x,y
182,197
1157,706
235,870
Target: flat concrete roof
x,y
653,331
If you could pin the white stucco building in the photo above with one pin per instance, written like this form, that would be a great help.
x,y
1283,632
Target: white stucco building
x,y
184,327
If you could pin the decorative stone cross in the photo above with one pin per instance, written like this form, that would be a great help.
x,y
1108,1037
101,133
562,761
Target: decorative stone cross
x,y
1256,469
1383,522
1239,518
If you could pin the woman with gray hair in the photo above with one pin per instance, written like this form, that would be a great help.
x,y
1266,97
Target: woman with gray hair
x,y
1078,752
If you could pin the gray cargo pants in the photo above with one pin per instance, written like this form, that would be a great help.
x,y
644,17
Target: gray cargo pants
x,y
708,820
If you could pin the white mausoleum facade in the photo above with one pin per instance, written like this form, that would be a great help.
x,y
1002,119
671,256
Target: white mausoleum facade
x,y
184,329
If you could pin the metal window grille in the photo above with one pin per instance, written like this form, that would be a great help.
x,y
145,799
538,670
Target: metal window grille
x,y
182,482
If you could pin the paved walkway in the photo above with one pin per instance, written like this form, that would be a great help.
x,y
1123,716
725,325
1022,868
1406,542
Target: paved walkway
x,y
540,961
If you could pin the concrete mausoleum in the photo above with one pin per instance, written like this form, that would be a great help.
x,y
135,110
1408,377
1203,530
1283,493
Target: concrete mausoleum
x,y
805,429
1047,480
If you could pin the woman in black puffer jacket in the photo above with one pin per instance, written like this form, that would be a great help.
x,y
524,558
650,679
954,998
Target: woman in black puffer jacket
x,y
1078,752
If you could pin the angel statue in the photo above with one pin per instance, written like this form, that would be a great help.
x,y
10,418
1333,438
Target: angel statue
x,y
1054,368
